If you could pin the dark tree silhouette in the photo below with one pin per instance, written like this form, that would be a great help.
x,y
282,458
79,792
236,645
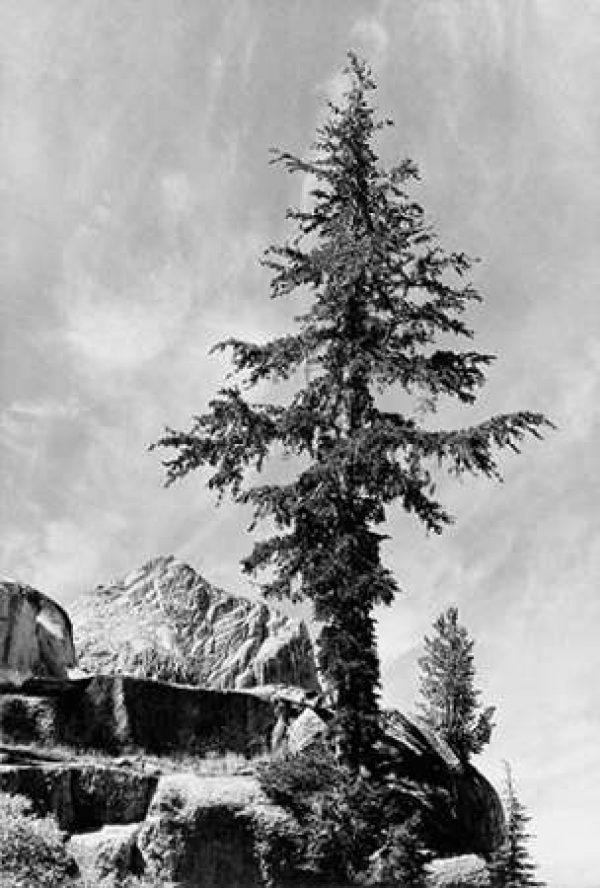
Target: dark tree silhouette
x,y
378,292
512,866
449,699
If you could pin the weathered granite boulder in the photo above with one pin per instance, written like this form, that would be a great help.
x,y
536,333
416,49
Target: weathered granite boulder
x,y
304,731
466,871
35,635
200,832
110,852
165,621
461,810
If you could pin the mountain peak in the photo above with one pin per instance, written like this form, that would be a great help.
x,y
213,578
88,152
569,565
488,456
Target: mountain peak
x,y
164,620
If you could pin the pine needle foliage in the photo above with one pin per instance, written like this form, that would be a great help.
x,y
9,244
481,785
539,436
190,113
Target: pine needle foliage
x,y
512,866
449,699
384,300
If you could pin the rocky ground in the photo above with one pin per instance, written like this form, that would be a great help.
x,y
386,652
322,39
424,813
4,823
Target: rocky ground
x,y
145,755
129,815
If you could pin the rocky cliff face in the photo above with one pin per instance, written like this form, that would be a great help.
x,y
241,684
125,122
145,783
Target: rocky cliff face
x,y
114,714
165,621
35,635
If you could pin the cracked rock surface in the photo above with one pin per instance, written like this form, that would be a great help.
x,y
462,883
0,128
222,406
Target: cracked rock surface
x,y
165,621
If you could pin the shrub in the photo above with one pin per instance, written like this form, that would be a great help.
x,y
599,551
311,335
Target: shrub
x,y
350,829
401,860
279,849
33,848
21,719
293,780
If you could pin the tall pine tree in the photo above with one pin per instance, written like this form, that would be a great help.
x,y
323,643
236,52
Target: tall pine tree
x,y
450,700
381,292
512,866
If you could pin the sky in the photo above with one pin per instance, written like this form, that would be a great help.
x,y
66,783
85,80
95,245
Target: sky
x,y
136,200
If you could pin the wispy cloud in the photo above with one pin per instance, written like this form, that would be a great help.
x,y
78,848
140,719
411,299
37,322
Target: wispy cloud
x,y
25,425
137,200
126,330
45,410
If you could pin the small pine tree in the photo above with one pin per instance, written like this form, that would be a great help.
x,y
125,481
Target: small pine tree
x,y
450,702
511,866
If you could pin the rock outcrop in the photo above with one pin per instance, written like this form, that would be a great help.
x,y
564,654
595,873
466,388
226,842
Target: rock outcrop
x,y
181,667
461,810
125,818
81,796
109,853
201,831
165,621
35,635
116,714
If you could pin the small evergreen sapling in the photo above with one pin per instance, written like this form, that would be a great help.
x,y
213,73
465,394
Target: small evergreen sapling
x,y
382,302
512,866
450,700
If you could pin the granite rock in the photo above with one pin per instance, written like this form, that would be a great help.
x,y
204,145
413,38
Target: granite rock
x,y
200,832
165,621
460,809
35,635
465,871
81,796
117,714
109,852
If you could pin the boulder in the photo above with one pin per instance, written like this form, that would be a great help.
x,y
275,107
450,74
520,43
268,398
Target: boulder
x,y
461,810
109,852
466,871
165,621
305,731
201,832
35,635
